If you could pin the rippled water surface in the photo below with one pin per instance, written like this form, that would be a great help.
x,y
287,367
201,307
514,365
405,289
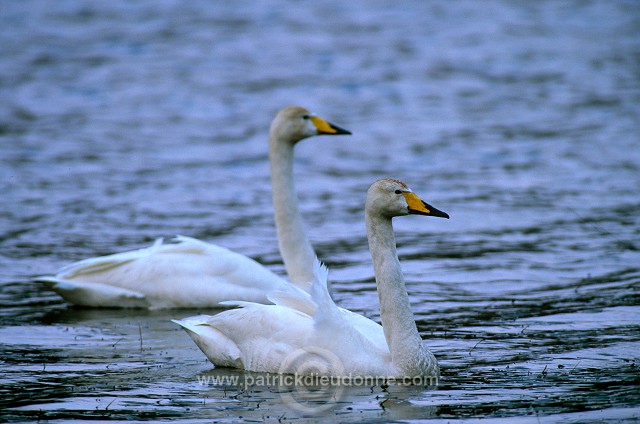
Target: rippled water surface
x,y
121,122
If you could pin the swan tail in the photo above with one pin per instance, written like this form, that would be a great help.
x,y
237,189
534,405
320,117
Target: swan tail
x,y
94,294
218,348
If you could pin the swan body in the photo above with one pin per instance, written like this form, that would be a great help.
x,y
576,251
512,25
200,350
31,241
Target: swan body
x,y
189,273
305,332
192,273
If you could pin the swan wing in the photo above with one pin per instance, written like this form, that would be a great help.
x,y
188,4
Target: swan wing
x,y
295,298
329,312
358,342
218,348
95,294
319,304
297,330
104,263
254,337
260,336
188,273
366,327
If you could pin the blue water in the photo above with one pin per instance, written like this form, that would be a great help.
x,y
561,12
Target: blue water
x,y
121,122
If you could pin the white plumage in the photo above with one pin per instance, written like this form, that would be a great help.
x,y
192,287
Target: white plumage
x,y
192,273
306,332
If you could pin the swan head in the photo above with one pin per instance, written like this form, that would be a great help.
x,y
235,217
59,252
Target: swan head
x,y
295,123
389,198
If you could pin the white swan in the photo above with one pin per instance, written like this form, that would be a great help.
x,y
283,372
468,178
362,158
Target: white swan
x,y
192,273
308,333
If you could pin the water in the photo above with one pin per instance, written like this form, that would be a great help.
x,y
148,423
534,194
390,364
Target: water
x,y
123,121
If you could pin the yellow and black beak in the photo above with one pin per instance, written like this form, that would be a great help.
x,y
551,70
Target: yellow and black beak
x,y
325,127
418,207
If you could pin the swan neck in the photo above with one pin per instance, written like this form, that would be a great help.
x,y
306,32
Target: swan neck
x,y
397,318
295,248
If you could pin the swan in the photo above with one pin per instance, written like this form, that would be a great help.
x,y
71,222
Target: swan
x,y
305,332
192,273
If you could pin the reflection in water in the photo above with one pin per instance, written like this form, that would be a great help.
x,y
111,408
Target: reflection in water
x,y
123,122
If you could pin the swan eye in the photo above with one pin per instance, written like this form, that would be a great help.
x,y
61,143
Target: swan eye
x,y
398,191
306,116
